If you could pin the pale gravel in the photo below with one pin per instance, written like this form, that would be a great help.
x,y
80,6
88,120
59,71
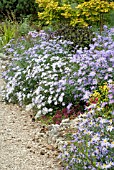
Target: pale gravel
x,y
20,146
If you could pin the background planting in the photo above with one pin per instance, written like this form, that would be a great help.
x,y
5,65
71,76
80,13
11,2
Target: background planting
x,y
19,8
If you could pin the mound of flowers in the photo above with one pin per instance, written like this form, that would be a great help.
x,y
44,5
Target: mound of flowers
x,y
36,74
46,75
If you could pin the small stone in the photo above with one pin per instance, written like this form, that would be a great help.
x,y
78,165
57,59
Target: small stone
x,y
65,121
54,138
42,152
39,135
33,119
28,147
32,151
65,124
59,140
56,154
50,147
43,129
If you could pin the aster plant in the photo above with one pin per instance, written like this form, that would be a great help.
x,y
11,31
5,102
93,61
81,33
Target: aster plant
x,y
92,146
92,67
36,75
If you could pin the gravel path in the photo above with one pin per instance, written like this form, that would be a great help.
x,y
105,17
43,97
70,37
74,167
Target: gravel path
x,y
21,148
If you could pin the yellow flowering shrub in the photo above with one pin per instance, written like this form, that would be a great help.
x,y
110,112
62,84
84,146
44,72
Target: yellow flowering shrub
x,y
100,95
92,10
66,10
82,14
53,10
101,99
50,10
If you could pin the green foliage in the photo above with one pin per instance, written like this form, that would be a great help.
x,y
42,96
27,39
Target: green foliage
x,y
24,27
80,37
20,8
110,19
12,29
8,31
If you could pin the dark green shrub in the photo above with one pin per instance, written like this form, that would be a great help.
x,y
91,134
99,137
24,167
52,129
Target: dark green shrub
x,y
19,8
110,19
80,36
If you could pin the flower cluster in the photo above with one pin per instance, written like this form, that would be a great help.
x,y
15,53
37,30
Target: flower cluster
x,y
92,146
37,72
103,98
92,67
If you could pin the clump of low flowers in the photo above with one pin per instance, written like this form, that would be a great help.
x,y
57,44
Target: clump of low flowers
x,y
92,147
36,75
92,67
103,98
68,112
46,75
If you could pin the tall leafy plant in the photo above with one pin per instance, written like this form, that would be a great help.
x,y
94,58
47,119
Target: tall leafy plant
x,y
8,30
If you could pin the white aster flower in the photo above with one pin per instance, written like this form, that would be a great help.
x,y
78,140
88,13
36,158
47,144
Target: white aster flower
x,y
86,95
45,91
29,107
44,110
95,138
39,106
94,81
50,110
52,92
38,114
43,74
112,144
55,103
110,69
37,91
60,99
63,104
105,142
109,128
50,99
106,166
43,103
92,74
